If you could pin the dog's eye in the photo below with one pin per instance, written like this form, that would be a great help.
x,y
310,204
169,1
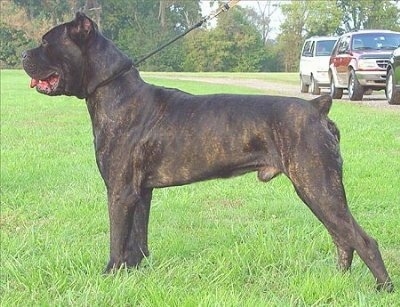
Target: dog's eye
x,y
44,43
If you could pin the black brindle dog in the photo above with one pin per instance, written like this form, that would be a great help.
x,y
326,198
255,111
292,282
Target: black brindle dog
x,y
151,137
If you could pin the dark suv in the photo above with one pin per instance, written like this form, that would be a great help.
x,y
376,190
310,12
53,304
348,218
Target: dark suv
x,y
359,60
393,78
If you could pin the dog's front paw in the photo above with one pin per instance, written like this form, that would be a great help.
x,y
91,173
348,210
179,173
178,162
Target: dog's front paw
x,y
114,266
386,286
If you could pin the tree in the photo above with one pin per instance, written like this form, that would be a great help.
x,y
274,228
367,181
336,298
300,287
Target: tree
x,y
261,17
239,42
13,34
138,27
369,14
291,37
322,18
308,18
233,45
53,10
13,42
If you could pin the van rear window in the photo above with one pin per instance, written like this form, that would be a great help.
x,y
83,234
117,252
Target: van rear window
x,y
324,47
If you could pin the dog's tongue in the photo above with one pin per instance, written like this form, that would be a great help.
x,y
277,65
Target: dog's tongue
x,y
34,82
44,85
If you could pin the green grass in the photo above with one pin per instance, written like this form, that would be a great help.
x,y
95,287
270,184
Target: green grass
x,y
234,242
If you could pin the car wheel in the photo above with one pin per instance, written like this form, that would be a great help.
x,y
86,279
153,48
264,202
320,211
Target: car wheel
x,y
356,91
315,90
303,86
336,93
392,94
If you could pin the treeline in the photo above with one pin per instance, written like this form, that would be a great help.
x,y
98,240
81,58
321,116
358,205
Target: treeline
x,y
240,40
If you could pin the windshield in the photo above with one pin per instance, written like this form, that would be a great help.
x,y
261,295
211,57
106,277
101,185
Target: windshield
x,y
377,41
324,47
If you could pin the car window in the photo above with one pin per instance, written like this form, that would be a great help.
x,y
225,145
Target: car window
x,y
377,41
307,49
312,47
344,45
324,47
335,47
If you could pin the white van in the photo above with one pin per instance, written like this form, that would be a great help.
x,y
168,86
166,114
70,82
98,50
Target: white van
x,y
314,63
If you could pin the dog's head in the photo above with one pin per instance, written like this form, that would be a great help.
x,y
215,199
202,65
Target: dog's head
x,y
73,59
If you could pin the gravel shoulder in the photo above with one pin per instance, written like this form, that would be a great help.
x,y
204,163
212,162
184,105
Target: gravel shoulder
x,y
376,100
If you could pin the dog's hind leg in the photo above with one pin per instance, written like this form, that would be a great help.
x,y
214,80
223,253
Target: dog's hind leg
x,y
320,186
345,254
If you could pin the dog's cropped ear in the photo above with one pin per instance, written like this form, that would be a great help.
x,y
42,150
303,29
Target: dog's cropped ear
x,y
81,28
322,104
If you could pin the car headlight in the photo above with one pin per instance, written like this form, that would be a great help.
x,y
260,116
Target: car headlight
x,y
367,64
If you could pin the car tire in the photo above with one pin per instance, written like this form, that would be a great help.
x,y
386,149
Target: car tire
x,y
336,93
356,91
315,90
303,86
392,94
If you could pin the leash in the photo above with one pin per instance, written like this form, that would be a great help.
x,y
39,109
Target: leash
x,y
223,8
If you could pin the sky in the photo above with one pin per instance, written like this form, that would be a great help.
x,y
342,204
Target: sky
x,y
276,18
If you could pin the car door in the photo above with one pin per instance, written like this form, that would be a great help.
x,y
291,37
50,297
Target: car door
x,y
306,61
396,66
341,60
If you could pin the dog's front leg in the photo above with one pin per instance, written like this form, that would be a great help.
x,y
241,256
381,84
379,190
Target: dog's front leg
x,y
137,244
129,215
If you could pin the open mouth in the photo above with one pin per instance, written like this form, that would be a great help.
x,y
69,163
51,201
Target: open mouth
x,y
47,85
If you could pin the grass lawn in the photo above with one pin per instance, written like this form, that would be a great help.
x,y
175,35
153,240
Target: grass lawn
x,y
233,242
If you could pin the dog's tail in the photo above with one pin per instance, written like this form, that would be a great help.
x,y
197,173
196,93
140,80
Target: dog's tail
x,y
323,104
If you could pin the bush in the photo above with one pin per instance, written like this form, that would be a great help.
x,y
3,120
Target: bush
x,y
13,42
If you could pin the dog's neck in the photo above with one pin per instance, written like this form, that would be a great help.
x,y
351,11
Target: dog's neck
x,y
123,71
105,101
107,66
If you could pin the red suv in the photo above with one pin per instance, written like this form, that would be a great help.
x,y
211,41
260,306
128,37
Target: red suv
x,y
359,60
